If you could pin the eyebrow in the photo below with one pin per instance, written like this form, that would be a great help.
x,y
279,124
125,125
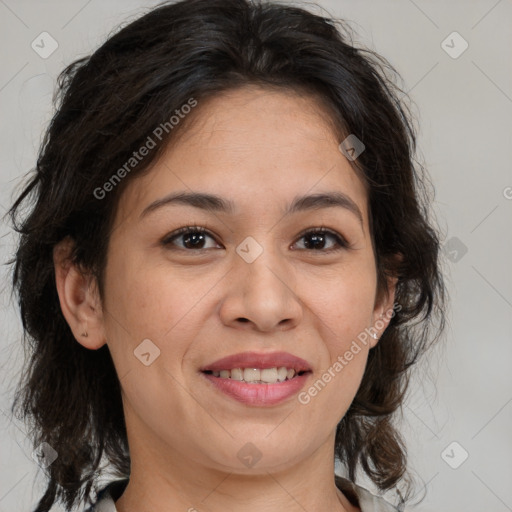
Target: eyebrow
x,y
214,203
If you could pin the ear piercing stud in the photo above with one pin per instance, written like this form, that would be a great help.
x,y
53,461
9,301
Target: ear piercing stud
x,y
84,334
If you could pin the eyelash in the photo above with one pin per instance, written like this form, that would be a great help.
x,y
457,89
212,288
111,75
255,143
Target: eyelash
x,y
340,240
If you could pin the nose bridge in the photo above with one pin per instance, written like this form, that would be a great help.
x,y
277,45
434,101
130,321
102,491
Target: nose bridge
x,y
262,261
262,290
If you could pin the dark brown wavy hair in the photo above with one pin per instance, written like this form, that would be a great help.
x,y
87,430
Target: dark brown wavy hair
x,y
107,104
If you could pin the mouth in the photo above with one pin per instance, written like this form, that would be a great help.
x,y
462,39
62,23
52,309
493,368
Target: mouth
x,y
259,361
258,379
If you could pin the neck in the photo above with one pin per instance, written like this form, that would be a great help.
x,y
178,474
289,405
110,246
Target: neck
x,y
166,479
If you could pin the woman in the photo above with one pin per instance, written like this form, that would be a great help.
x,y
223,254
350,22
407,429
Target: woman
x,y
227,268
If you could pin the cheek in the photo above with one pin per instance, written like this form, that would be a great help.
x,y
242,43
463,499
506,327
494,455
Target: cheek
x,y
340,323
344,301
151,301
341,311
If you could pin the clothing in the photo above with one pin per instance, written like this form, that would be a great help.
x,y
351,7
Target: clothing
x,y
356,494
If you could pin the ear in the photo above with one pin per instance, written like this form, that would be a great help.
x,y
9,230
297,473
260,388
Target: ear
x,y
385,307
79,298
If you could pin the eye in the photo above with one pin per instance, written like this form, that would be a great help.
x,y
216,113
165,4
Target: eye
x,y
317,238
194,238
191,237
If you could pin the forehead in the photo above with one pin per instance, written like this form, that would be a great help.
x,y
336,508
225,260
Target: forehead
x,y
254,146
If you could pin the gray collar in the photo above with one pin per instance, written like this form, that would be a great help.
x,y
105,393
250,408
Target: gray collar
x,y
356,494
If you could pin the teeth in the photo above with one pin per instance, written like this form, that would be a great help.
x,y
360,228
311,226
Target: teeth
x,y
252,374
236,374
269,375
282,374
256,375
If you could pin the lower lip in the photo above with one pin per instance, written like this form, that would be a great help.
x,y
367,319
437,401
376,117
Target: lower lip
x,y
259,394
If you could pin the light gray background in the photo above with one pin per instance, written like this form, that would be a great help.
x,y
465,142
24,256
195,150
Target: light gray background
x,y
464,107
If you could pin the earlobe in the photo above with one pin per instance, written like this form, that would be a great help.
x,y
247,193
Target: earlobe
x,y
79,298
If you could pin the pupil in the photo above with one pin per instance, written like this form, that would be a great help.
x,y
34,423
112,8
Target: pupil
x,y
317,238
195,239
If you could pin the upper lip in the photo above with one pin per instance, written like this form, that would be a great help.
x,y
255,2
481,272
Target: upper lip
x,y
258,360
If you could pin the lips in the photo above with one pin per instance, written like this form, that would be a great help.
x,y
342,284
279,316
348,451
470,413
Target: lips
x,y
257,395
254,393
259,360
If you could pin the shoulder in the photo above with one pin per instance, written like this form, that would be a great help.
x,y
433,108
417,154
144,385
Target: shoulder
x,y
108,495
362,497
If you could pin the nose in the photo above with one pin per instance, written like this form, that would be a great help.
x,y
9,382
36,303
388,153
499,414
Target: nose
x,y
260,296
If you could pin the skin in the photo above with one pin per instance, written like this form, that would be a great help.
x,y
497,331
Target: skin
x,y
259,148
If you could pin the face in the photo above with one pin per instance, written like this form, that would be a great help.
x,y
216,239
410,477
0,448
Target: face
x,y
259,278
